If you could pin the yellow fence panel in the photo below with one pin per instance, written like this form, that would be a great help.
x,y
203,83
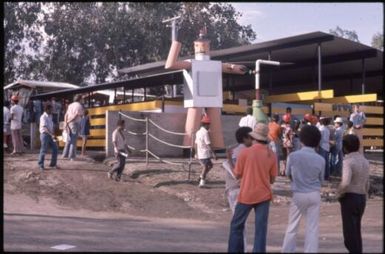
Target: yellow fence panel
x,y
372,131
373,142
98,121
302,96
353,98
98,132
374,121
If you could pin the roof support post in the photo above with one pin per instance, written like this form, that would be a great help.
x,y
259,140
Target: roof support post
x,y
319,68
270,74
124,95
363,75
132,96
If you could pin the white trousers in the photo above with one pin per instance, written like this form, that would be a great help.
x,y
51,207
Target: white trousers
x,y
307,205
232,196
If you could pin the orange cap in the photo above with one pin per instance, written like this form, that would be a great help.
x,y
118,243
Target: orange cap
x,y
205,119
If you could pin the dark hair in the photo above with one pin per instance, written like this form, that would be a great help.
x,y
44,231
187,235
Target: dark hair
x,y
249,111
47,106
350,143
120,122
241,133
288,109
276,117
7,103
86,112
310,136
77,97
350,124
323,121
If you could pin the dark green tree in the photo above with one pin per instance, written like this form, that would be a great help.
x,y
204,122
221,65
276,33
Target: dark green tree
x,y
346,34
378,41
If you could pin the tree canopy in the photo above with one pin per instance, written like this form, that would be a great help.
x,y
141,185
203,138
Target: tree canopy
x,y
344,33
82,42
378,41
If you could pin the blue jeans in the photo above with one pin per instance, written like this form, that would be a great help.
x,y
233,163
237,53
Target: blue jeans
x,y
325,155
238,224
332,159
338,165
70,146
46,140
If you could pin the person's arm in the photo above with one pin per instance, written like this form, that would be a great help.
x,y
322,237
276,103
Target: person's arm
x,y
239,165
208,143
229,153
288,167
273,171
346,178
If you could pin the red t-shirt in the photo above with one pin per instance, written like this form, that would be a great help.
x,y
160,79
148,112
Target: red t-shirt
x,y
256,165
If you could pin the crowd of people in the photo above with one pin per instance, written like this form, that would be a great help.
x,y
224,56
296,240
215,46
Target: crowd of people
x,y
320,149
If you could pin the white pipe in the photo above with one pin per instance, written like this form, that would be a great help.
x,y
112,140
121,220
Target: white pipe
x,y
257,64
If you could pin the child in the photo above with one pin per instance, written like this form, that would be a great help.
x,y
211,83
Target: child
x,y
84,131
204,151
232,184
120,147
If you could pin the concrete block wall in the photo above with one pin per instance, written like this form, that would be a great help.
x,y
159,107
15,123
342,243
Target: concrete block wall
x,y
170,121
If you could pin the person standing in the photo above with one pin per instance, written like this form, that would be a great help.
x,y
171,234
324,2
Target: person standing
x,y
120,147
352,192
6,126
338,156
72,120
47,138
16,112
256,166
305,169
324,145
287,139
84,131
275,137
248,120
358,118
204,151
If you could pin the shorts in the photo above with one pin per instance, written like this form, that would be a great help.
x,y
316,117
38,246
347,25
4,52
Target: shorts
x,y
206,162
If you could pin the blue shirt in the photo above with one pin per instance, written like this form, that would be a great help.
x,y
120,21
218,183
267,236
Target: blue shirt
x,y
325,136
306,169
358,118
339,135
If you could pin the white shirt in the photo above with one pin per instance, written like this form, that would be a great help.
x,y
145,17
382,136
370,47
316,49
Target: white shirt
x,y
325,135
17,112
202,140
46,121
248,121
118,137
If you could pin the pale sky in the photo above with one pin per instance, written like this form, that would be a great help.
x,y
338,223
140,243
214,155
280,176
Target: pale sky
x,y
278,20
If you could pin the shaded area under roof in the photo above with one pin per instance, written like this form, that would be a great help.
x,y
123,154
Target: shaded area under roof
x,y
173,77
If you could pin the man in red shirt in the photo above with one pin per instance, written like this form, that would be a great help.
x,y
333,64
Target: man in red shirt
x,y
257,168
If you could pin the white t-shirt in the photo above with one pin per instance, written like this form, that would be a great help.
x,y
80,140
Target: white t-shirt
x,y
46,121
6,116
202,140
17,112
75,109
248,121
118,137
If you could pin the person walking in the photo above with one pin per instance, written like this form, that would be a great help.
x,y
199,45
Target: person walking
x,y
72,120
358,118
324,146
287,140
256,166
248,120
16,112
352,192
47,138
121,151
204,152
232,185
84,131
305,169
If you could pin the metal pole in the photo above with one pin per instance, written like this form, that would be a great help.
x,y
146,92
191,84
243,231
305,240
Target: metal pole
x,y
191,152
147,139
363,75
319,69
124,95
270,74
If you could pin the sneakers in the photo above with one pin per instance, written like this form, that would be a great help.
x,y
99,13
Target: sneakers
x,y
202,183
41,168
109,175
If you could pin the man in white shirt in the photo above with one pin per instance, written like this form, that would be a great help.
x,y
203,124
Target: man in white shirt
x,y
6,125
47,138
72,120
248,120
16,116
203,149
358,118
324,145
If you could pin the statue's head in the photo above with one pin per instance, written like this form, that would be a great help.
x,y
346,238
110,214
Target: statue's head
x,y
202,44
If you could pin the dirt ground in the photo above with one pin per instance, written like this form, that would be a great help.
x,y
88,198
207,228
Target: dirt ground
x,y
164,191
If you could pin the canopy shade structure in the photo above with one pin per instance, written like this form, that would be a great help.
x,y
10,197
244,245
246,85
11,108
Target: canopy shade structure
x,y
39,84
347,67
167,78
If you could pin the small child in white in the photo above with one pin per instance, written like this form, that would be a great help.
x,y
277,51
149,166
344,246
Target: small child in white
x,y
232,184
